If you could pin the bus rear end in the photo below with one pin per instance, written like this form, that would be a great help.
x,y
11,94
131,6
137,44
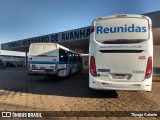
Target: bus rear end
x,y
121,53
43,59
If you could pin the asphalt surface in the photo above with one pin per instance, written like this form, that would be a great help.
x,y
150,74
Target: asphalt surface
x,y
20,92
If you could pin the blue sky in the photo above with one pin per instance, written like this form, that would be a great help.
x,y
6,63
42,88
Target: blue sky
x,y
20,19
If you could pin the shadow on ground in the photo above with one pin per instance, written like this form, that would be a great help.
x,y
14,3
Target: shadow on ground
x,y
76,85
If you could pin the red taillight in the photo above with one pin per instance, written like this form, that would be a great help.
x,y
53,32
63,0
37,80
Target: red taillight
x,y
149,68
93,66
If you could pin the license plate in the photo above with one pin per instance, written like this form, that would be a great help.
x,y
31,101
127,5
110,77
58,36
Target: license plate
x,y
119,76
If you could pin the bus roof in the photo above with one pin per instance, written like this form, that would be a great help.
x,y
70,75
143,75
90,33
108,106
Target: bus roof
x,y
58,45
124,16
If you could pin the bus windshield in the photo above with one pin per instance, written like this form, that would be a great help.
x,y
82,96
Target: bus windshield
x,y
125,30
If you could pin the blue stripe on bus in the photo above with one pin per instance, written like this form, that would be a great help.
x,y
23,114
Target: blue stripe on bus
x,y
45,62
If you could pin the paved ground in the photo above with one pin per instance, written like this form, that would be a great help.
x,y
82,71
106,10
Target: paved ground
x,y
20,92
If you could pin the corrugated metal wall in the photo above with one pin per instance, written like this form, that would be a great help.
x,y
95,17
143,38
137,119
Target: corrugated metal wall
x,y
155,17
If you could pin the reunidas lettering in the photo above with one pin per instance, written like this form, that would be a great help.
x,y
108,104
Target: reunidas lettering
x,y
121,29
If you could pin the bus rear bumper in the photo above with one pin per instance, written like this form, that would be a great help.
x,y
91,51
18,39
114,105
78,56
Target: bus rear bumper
x,y
43,73
145,85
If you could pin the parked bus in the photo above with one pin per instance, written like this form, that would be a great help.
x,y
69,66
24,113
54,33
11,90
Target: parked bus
x,y
52,59
121,53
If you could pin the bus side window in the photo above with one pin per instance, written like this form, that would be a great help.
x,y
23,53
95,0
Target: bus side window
x,y
66,56
75,58
71,57
63,57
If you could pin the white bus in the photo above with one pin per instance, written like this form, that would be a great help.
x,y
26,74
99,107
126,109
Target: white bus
x,y
52,59
121,53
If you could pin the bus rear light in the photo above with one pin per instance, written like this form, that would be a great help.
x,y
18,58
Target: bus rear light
x,y
93,66
148,68
121,16
99,19
143,16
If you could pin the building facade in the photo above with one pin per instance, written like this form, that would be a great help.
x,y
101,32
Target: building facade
x,y
12,59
